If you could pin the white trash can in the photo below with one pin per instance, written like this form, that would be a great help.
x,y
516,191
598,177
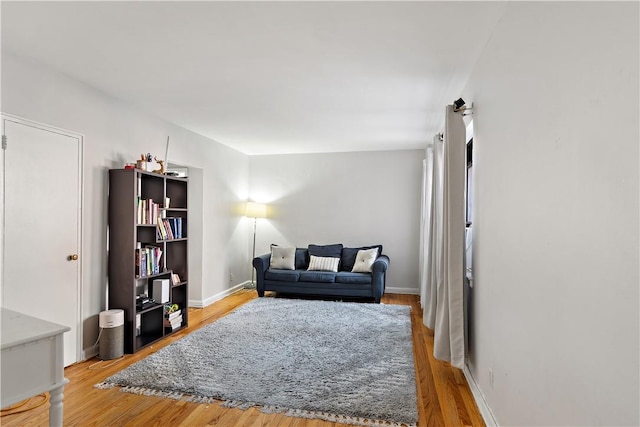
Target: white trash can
x,y
112,334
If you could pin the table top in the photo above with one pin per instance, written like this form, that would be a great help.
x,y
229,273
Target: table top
x,y
18,328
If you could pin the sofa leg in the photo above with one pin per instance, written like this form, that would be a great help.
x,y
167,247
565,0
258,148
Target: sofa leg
x,y
260,293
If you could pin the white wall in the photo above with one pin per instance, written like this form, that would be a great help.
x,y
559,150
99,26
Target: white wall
x,y
115,133
356,199
556,297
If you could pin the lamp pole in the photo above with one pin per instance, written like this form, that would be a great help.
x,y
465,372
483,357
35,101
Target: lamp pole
x,y
255,210
253,270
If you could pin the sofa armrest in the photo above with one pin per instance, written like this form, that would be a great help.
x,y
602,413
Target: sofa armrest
x,y
261,264
381,264
378,276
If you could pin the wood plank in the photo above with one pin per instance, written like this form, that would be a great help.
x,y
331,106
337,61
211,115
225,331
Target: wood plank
x,y
429,405
444,398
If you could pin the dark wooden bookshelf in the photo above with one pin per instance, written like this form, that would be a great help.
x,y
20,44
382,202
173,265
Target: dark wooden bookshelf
x,y
126,188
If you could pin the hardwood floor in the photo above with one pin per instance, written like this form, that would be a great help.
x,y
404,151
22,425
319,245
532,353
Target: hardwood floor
x,y
444,398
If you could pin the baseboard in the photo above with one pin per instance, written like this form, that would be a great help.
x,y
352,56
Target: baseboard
x,y
89,353
483,407
218,296
409,291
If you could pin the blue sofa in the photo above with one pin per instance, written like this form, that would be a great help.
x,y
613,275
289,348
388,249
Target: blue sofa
x,y
342,283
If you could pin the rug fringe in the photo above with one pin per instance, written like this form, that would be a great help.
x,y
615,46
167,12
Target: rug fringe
x,y
142,391
201,399
151,392
336,418
299,413
104,386
238,404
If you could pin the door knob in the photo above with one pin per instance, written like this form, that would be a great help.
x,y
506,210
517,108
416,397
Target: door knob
x,y
73,257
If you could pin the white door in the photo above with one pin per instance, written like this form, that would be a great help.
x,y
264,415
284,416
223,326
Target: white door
x,y
42,213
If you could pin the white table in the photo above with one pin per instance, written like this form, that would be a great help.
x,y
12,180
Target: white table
x,y
32,361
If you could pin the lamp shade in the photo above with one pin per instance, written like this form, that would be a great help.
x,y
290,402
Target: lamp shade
x,y
256,210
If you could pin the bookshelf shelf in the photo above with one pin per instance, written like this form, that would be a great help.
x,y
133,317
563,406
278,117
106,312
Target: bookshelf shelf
x,y
136,201
152,276
147,309
179,284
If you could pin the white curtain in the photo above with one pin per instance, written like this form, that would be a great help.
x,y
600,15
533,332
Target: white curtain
x,y
442,246
425,230
431,230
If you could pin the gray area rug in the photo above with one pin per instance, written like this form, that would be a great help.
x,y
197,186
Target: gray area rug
x,y
338,361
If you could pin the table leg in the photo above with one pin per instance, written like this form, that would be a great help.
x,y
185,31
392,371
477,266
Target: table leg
x,y
55,410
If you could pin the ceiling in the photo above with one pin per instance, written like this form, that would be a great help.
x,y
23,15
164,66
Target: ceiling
x,y
268,77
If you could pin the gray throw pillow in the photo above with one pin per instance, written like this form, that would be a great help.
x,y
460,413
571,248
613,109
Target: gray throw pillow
x,y
282,258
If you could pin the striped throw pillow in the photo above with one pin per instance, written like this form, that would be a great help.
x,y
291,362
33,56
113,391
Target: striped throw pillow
x,y
320,263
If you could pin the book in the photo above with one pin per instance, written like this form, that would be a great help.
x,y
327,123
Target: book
x,y
174,314
149,262
138,324
143,262
173,323
170,231
163,231
172,225
139,211
138,263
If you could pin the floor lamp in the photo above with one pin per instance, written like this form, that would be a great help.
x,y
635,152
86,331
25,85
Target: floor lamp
x,y
255,210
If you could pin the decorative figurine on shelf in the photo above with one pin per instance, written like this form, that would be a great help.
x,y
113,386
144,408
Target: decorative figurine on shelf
x,y
145,162
161,163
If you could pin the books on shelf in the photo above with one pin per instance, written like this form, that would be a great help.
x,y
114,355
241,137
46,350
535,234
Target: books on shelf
x,y
175,279
148,261
147,211
161,230
173,324
172,316
169,228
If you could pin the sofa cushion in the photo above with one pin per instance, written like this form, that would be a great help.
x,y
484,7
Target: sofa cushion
x,y
364,260
282,275
357,278
348,257
323,263
317,276
282,258
334,251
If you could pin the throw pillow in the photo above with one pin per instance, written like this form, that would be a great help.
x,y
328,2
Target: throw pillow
x,y
319,263
326,250
301,258
364,260
348,258
282,258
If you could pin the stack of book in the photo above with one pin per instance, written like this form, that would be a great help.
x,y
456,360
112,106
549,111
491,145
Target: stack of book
x,y
172,317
